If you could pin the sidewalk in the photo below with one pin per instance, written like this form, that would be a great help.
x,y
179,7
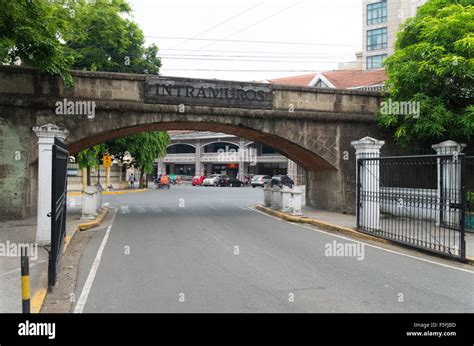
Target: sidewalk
x,y
111,192
14,232
24,231
349,221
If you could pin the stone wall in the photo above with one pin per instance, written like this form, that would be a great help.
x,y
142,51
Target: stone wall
x,y
312,127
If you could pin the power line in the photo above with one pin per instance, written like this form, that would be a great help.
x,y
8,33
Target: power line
x,y
250,41
245,60
253,24
250,52
222,23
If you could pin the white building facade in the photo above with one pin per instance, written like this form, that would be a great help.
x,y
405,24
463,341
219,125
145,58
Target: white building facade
x,y
381,21
205,153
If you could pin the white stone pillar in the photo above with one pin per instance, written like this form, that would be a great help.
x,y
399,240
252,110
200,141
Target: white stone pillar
x,y
46,135
241,157
292,171
197,162
369,211
449,181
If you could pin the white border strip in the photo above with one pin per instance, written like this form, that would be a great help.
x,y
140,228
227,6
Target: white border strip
x,y
90,278
370,245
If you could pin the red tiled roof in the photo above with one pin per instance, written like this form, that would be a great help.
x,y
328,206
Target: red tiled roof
x,y
345,79
294,80
342,79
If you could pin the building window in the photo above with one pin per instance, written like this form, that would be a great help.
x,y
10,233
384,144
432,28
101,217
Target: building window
x,y
180,149
321,84
375,61
377,12
377,39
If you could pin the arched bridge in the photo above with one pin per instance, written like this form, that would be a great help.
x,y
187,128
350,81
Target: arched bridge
x,y
313,127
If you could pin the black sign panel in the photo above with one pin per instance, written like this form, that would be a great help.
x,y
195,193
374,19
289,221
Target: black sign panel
x,y
208,93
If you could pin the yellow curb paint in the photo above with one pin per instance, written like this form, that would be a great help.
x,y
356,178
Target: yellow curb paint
x,y
331,227
88,225
122,192
25,287
318,223
37,301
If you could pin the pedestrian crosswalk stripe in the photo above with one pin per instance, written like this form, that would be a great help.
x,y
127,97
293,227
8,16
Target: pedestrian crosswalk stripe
x,y
125,209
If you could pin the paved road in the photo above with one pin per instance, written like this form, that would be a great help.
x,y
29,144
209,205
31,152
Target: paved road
x,y
164,246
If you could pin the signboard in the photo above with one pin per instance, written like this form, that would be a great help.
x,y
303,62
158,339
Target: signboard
x,y
107,161
196,92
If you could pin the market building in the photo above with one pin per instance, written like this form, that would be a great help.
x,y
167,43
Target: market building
x,y
193,153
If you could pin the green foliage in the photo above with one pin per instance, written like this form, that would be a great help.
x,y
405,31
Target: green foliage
x,y
470,201
143,147
29,33
433,64
102,38
91,157
55,36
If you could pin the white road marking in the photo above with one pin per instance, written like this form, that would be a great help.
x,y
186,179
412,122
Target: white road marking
x,y
141,210
361,242
125,209
90,278
210,206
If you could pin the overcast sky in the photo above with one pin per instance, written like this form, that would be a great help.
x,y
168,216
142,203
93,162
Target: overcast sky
x,y
210,38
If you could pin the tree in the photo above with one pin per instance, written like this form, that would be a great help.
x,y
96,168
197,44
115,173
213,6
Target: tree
x,y
100,37
91,157
144,148
433,66
29,34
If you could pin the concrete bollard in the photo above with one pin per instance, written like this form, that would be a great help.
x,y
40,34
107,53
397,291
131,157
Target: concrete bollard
x,y
267,196
285,192
276,198
90,203
295,205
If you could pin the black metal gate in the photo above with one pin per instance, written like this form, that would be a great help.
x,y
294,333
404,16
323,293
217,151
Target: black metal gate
x,y
419,201
58,208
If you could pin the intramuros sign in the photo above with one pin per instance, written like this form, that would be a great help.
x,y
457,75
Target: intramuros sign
x,y
207,93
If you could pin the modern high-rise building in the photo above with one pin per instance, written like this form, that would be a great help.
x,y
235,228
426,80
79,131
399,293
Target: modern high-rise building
x,y
381,21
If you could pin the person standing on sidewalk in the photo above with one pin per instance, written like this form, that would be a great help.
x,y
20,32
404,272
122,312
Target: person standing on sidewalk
x,y
131,181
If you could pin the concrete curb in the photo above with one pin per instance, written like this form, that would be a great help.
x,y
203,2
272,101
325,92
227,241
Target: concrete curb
x,y
319,223
94,223
41,292
119,192
335,228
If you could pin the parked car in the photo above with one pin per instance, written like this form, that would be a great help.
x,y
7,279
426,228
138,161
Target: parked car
x,y
282,180
198,179
260,180
212,180
230,181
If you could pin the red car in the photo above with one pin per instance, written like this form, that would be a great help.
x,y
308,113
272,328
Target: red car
x,y
198,179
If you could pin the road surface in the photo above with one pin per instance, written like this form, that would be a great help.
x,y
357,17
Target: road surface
x,y
203,249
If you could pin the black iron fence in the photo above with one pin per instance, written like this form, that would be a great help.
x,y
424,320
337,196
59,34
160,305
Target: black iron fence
x,y
423,201
58,208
